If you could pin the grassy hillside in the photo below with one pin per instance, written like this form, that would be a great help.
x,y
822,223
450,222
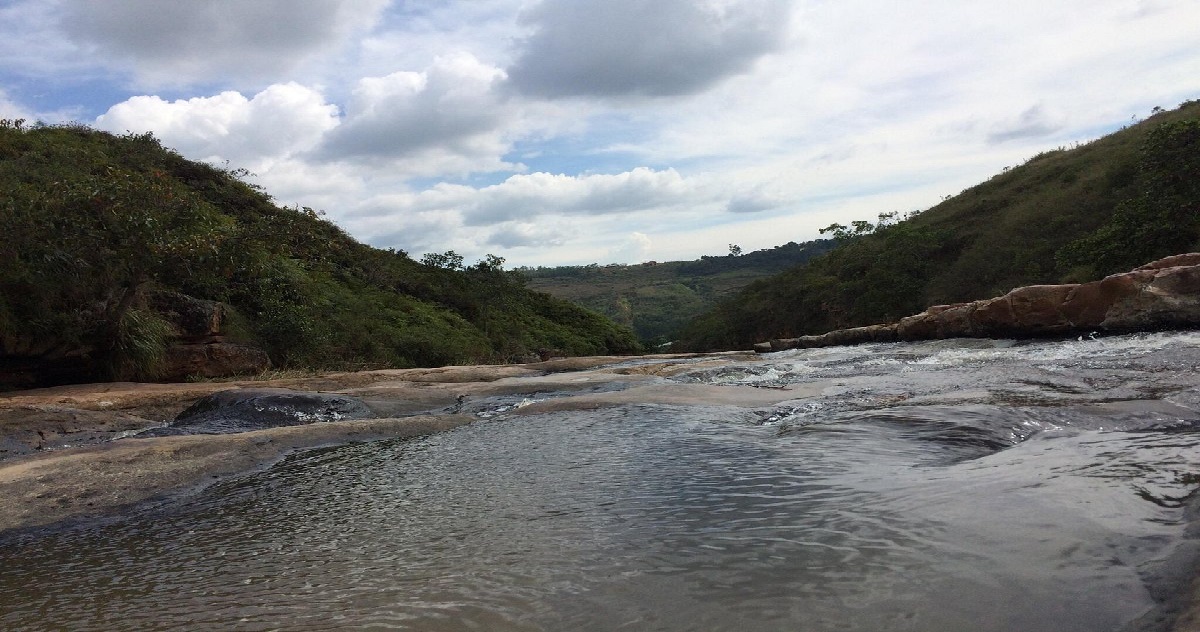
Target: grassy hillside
x,y
98,225
658,299
1066,215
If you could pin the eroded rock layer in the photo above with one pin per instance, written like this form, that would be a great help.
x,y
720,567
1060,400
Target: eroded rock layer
x,y
1163,294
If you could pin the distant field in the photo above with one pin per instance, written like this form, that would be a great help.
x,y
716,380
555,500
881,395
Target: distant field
x,y
658,299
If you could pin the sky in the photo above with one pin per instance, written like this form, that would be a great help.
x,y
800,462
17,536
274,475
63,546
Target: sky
x,y
569,132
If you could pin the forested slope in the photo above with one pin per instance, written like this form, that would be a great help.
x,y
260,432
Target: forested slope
x,y
1066,215
98,226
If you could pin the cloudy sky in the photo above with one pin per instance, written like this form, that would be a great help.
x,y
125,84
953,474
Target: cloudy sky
x,y
557,132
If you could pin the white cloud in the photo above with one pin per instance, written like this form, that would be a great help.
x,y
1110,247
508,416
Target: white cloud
x,y
181,43
754,200
11,110
529,195
274,124
447,118
553,130
528,235
524,197
643,47
636,247
428,231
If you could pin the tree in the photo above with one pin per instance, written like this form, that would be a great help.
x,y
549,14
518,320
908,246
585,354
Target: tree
x,y
490,263
857,228
448,260
735,250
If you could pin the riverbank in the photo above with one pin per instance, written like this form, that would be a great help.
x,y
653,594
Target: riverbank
x,y
67,454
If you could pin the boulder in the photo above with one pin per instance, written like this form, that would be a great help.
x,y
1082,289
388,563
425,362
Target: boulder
x,y
783,344
214,359
993,317
242,410
955,321
855,335
921,326
194,319
1170,298
1037,309
1088,304
883,333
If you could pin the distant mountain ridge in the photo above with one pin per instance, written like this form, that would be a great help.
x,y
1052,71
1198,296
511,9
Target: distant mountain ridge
x,y
656,299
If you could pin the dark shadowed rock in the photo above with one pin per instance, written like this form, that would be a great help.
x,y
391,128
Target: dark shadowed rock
x,y
192,318
197,348
214,359
240,410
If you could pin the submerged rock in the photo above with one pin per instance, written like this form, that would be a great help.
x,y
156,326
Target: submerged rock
x,y
1163,294
241,410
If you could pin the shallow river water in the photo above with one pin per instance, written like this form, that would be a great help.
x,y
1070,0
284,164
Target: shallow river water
x,y
943,486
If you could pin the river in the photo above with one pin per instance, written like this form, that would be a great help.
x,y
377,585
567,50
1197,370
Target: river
x,y
937,486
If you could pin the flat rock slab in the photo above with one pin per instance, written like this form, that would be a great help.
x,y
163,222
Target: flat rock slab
x,y
107,479
247,409
31,429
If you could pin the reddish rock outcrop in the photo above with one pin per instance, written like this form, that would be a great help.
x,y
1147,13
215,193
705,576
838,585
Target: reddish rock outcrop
x,y
198,347
1163,294
213,359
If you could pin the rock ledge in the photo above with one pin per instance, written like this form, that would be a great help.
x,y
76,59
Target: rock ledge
x,y
1163,294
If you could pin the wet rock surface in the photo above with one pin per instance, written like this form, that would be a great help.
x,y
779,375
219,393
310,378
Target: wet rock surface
x,y
243,410
32,429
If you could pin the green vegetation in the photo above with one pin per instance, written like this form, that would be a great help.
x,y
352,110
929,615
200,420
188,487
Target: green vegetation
x,y
98,225
658,299
1066,215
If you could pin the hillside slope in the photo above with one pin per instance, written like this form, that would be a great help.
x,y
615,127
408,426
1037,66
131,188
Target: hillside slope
x,y
1066,215
101,227
656,299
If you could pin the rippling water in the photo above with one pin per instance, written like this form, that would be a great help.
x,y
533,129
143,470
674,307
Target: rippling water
x,y
960,485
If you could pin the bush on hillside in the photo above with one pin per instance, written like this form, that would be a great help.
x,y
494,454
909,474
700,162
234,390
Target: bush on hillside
x,y
97,223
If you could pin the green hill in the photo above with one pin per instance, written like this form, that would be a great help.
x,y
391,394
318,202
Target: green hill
x,y
658,299
98,226
1066,215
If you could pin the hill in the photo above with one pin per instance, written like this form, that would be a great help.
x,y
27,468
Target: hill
x,y
102,231
1066,215
657,299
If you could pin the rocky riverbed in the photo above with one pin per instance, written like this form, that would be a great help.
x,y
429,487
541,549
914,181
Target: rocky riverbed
x,y
89,451
1036,485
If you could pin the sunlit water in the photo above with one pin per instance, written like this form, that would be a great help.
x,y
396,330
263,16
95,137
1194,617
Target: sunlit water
x,y
949,486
